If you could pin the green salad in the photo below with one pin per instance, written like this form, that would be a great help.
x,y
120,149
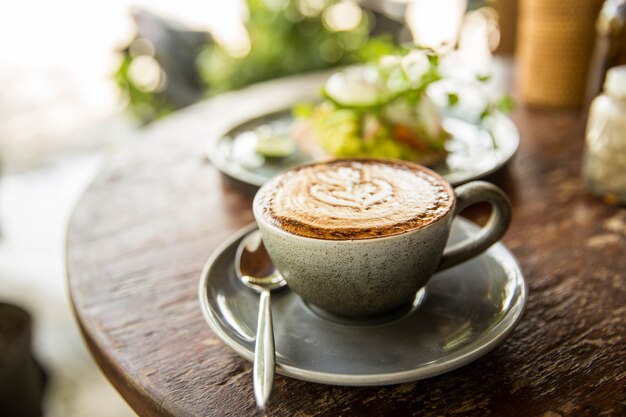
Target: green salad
x,y
378,110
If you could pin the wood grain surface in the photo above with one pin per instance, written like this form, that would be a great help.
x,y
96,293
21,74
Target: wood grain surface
x,y
142,232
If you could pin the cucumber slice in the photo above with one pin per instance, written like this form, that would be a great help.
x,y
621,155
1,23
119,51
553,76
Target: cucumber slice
x,y
355,87
275,146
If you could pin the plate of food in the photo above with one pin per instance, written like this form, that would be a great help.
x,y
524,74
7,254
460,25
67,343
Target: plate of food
x,y
400,107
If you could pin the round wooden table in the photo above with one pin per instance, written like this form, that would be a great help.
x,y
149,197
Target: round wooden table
x,y
142,232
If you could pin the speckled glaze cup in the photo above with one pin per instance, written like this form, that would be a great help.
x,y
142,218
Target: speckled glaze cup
x,y
365,277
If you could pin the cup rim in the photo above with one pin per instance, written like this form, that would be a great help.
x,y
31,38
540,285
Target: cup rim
x,y
260,219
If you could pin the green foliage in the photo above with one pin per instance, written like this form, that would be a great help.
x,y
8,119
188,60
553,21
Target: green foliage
x,y
504,104
483,78
289,37
303,110
145,105
406,88
378,46
453,99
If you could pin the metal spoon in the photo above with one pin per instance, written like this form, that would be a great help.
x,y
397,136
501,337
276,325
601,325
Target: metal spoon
x,y
256,270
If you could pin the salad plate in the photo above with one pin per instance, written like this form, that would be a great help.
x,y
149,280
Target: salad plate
x,y
460,315
474,150
403,106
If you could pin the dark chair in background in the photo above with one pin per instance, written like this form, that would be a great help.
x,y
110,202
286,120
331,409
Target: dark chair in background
x,y
22,380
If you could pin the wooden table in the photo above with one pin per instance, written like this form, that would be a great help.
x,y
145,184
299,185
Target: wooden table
x,y
143,231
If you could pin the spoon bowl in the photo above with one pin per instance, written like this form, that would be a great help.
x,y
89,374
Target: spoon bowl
x,y
254,265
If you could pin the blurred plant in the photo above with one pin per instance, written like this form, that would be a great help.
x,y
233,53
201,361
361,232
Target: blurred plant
x,y
291,36
168,67
157,74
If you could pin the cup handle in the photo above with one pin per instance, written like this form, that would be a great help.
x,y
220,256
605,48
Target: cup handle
x,y
499,220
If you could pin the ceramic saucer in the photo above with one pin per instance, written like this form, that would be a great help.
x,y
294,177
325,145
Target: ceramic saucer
x,y
462,314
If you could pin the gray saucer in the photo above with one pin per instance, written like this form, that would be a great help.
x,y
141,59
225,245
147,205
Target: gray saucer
x,y
463,313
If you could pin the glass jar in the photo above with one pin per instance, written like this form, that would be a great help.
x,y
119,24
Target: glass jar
x,y
610,45
604,163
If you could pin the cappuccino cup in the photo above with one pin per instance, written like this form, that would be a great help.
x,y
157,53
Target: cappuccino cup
x,y
361,237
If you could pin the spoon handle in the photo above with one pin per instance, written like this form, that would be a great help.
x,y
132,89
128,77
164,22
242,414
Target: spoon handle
x,y
264,353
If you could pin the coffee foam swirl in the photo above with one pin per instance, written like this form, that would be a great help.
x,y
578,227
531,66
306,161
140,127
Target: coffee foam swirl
x,y
354,199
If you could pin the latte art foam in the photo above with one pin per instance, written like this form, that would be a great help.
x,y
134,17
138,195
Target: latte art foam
x,y
354,199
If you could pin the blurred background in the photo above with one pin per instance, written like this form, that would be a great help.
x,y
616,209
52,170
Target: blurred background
x,y
78,80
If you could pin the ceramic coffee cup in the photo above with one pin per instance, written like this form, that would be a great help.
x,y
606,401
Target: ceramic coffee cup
x,y
364,277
